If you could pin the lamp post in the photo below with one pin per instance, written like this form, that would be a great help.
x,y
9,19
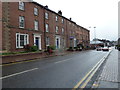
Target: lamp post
x,y
94,34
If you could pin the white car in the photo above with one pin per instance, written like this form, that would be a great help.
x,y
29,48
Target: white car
x,y
105,48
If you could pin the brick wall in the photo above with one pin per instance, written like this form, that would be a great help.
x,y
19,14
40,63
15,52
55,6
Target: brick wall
x,y
0,26
11,15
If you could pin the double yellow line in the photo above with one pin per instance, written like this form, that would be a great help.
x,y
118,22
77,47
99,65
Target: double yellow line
x,y
19,62
82,83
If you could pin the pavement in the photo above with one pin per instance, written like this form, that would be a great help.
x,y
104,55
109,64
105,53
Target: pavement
x,y
109,76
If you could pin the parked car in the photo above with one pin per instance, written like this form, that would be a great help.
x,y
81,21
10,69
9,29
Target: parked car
x,y
99,48
105,49
118,48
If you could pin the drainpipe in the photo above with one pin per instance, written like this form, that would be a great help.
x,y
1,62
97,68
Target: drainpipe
x,y
44,29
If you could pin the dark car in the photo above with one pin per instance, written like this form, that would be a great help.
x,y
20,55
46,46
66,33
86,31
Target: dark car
x,y
99,48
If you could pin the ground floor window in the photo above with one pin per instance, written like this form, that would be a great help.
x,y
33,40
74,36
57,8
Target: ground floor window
x,y
21,40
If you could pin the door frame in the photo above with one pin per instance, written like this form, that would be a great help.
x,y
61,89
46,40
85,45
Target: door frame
x,y
38,36
57,37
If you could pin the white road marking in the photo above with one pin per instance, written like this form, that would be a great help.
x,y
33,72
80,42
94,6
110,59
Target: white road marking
x,y
63,60
17,73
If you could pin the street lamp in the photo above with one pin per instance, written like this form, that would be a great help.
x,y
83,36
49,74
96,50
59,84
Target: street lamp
x,y
94,34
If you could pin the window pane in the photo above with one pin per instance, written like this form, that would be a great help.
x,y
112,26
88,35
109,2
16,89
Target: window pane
x,y
21,22
35,11
47,41
46,15
62,20
17,40
56,29
47,28
21,40
56,18
62,30
21,5
36,25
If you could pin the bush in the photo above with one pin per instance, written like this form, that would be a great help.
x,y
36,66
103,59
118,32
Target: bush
x,y
70,49
52,47
33,48
29,48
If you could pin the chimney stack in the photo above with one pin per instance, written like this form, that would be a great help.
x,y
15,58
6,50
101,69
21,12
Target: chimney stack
x,y
46,6
60,12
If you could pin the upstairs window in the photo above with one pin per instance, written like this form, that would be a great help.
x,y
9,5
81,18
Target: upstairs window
x,y
36,25
36,11
56,18
62,20
56,29
62,30
21,5
46,15
21,22
47,27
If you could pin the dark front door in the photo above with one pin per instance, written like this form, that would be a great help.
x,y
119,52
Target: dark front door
x,y
37,42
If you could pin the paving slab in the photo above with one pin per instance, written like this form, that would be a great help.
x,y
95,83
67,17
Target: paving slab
x,y
109,78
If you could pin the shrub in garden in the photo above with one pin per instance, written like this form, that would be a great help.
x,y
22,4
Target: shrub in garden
x,y
29,48
33,48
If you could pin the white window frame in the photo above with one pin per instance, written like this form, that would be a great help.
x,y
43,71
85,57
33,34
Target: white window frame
x,y
47,41
26,40
63,30
56,29
62,21
21,21
36,25
21,5
46,15
36,11
47,27
56,18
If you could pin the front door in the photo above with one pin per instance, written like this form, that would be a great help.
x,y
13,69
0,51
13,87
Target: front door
x,y
57,43
37,42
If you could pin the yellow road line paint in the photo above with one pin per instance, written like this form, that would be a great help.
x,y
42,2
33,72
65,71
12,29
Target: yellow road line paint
x,y
81,81
19,62
92,72
95,85
89,78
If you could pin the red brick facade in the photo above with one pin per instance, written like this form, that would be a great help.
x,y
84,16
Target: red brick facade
x,y
0,26
69,34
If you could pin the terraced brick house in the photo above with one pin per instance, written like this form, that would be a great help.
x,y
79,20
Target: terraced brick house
x,y
34,24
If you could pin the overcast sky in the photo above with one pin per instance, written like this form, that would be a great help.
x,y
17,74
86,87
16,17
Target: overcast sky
x,y
102,14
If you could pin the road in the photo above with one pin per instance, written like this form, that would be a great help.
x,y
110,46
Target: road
x,y
54,72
